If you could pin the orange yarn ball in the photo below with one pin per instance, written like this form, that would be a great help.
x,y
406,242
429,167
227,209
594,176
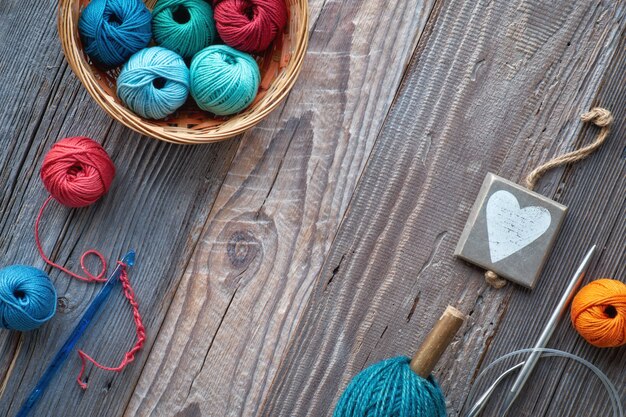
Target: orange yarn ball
x,y
599,313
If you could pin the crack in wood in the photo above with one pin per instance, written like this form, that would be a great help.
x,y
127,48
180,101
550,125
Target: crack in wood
x,y
334,272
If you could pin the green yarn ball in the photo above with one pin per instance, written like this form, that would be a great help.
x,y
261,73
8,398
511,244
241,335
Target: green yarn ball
x,y
224,81
184,26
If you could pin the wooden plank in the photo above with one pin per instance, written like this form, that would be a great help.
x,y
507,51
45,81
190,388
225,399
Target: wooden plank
x,y
276,215
158,204
596,194
498,86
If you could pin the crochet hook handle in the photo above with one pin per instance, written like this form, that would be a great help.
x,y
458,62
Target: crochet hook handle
x,y
437,341
79,330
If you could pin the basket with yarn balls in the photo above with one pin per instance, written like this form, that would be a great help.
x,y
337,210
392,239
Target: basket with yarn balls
x,y
147,100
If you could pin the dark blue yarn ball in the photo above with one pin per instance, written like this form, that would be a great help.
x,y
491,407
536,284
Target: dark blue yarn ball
x,y
113,30
391,389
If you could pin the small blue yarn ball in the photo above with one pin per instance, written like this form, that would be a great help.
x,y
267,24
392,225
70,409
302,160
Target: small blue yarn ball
x,y
27,298
184,26
154,82
113,30
224,81
391,389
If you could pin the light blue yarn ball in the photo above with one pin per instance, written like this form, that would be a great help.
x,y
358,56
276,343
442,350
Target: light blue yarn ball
x,y
154,82
27,298
224,81
113,30
391,389
184,26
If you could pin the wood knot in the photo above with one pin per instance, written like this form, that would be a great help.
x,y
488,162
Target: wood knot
x,y
242,248
63,305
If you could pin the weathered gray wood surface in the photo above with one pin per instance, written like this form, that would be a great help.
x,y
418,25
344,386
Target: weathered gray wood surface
x,y
158,204
495,86
275,217
255,303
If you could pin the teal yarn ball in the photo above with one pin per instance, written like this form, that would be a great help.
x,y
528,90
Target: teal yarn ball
x,y
224,81
113,30
184,26
154,82
27,298
391,389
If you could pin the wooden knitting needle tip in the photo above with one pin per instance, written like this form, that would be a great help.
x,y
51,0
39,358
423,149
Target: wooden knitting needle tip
x,y
437,341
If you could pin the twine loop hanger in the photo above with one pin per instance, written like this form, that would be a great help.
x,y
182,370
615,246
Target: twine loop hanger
x,y
598,116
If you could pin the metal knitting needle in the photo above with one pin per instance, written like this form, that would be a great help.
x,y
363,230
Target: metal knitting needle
x,y
559,312
79,330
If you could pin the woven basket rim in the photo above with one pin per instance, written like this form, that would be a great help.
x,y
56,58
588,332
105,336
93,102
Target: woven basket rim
x,y
231,127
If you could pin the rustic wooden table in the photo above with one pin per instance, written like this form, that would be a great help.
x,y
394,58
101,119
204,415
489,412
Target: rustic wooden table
x,y
275,266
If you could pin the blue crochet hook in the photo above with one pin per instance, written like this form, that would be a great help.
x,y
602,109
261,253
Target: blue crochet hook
x,y
79,330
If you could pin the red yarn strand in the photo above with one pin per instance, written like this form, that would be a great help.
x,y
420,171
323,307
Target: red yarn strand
x,y
140,329
89,276
77,172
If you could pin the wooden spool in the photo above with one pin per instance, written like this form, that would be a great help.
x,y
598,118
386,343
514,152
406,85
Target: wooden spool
x,y
437,341
279,65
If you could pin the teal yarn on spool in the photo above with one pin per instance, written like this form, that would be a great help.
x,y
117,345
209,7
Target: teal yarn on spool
x,y
27,298
391,389
113,30
154,82
184,26
224,81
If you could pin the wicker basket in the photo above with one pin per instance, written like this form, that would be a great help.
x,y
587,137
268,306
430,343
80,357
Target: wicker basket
x,y
279,66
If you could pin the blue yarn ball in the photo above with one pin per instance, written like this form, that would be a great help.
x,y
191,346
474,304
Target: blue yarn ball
x,y
154,82
391,389
184,26
224,81
27,298
113,30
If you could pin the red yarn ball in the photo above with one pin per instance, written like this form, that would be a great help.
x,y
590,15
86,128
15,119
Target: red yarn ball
x,y
77,171
250,25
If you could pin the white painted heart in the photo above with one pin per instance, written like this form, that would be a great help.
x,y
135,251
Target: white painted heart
x,y
511,228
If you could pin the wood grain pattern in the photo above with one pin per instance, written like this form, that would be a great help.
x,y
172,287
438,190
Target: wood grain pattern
x,y
496,87
595,192
157,205
275,216
255,305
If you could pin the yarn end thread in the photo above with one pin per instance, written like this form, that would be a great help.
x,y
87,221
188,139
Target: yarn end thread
x,y
600,117
140,331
